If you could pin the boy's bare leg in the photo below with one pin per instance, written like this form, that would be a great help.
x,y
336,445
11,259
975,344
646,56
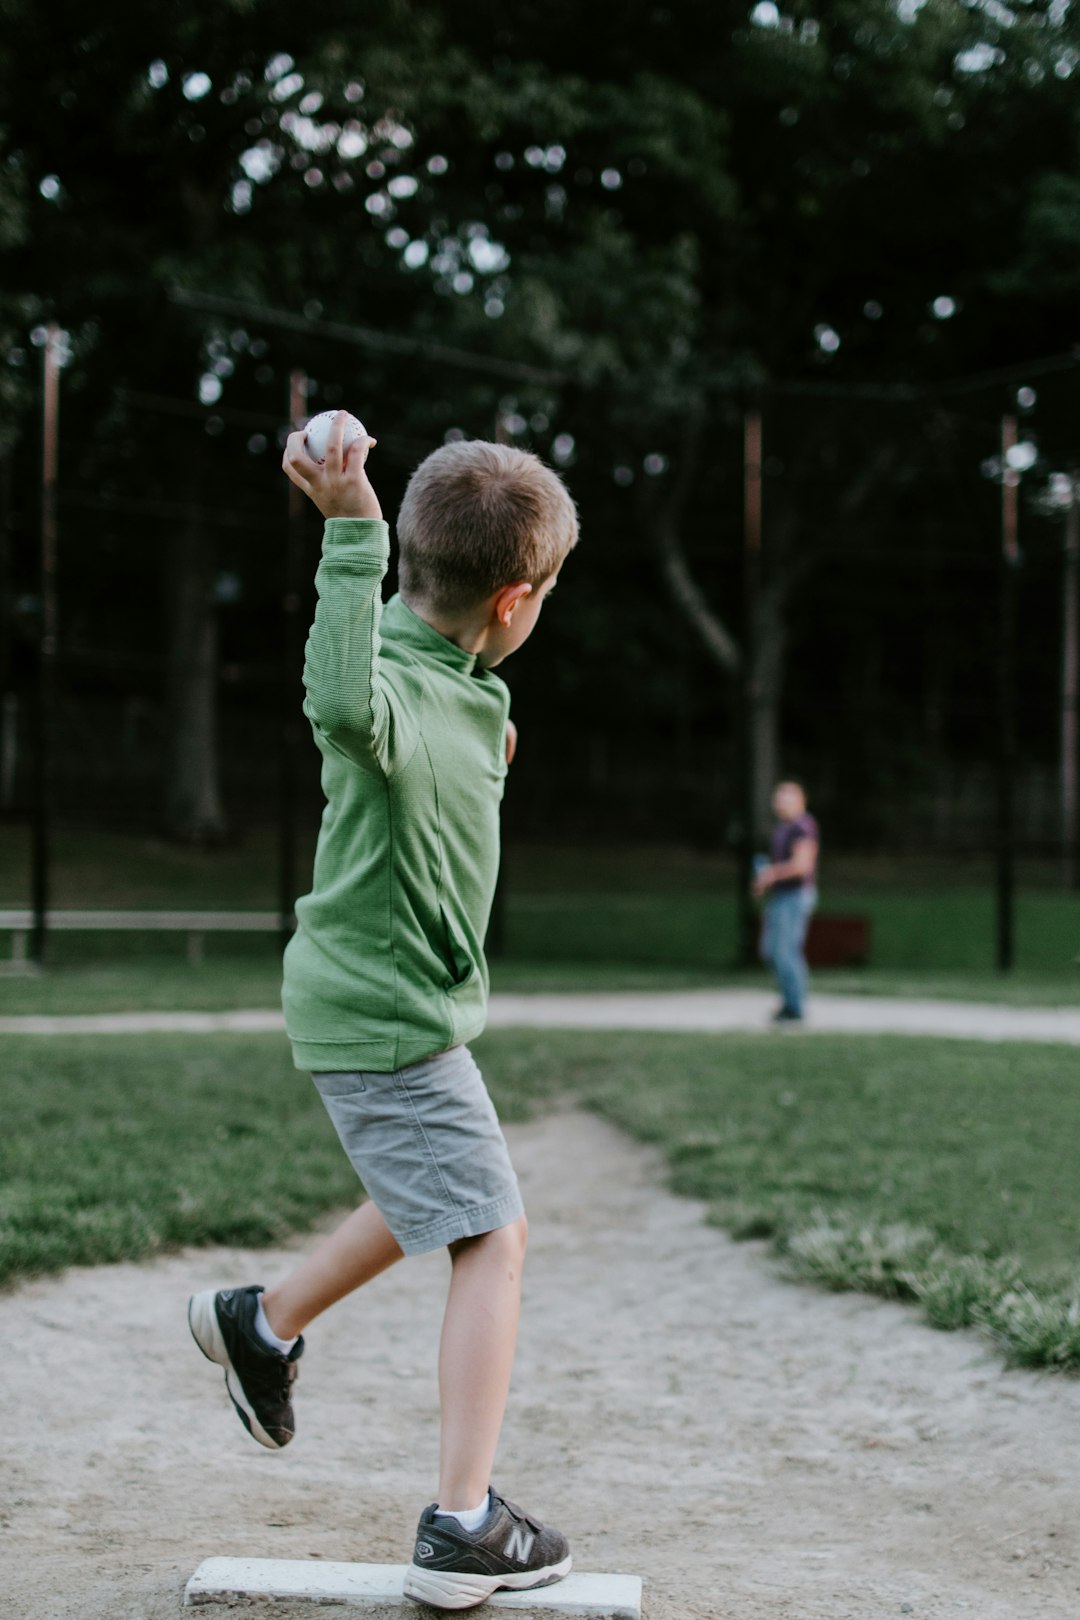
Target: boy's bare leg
x,y
358,1250
476,1356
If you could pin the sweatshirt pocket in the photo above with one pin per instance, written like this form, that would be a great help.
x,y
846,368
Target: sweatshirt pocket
x,y
460,965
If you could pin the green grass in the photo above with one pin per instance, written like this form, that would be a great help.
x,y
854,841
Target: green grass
x,y
935,1171
120,1147
144,973
917,935
925,1170
95,869
137,973
115,1148
607,918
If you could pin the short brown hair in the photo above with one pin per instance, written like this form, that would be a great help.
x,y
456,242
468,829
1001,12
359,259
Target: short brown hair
x,y
476,516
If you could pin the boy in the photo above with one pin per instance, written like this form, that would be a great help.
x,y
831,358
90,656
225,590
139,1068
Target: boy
x,y
385,978
788,882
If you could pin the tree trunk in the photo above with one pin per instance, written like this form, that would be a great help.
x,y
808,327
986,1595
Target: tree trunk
x,y
785,570
1070,681
194,811
666,522
690,599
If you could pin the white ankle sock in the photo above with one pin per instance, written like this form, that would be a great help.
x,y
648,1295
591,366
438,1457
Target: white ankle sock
x,y
468,1518
267,1334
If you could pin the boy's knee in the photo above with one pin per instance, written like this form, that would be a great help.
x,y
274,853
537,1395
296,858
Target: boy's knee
x,y
510,1241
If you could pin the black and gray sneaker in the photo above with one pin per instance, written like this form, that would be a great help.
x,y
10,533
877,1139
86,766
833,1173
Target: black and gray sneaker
x,y
259,1380
453,1568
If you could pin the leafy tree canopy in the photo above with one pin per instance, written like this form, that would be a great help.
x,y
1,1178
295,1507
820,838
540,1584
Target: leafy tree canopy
x,y
687,194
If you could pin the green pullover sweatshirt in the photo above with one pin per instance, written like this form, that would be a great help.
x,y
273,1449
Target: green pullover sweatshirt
x,y
387,962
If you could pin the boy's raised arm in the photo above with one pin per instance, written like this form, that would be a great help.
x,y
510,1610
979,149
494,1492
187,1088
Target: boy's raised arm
x,y
346,697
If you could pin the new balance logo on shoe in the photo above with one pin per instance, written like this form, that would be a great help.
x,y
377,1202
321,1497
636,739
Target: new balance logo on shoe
x,y
455,1568
519,1544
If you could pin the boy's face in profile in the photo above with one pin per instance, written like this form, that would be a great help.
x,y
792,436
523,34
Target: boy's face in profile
x,y
506,637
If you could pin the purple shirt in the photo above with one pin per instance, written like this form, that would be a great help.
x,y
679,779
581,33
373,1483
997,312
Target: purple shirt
x,y
785,835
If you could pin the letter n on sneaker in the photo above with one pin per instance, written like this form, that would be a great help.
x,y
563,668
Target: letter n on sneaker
x,y
454,1568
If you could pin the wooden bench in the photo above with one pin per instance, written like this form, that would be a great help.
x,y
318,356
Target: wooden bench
x,y
837,940
195,924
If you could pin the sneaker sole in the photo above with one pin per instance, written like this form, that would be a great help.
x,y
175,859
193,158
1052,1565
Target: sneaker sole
x,y
444,1589
206,1331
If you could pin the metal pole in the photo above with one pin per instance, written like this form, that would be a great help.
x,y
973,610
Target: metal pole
x,y
495,942
1006,829
752,529
291,603
1070,680
42,789
9,708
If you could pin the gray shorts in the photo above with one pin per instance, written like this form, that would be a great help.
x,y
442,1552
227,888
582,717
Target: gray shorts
x,y
425,1141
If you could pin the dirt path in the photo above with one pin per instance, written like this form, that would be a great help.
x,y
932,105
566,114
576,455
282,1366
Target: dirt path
x,y
753,1449
706,1011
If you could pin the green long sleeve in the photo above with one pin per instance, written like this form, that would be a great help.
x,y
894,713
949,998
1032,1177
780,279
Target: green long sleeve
x,y
347,700
387,963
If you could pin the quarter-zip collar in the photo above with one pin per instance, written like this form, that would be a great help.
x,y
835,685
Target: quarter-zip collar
x,y
415,632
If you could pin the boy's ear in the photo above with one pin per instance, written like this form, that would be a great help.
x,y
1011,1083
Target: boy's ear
x,y
507,599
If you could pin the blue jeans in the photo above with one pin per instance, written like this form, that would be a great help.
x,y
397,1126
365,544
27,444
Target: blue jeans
x,y
783,935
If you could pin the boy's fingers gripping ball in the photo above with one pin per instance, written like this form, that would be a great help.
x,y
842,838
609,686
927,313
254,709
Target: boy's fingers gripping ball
x,y
317,434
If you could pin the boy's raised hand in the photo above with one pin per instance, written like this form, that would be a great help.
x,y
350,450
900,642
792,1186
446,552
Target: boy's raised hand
x,y
339,485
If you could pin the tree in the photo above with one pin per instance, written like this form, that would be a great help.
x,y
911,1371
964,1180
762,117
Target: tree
x,y
659,229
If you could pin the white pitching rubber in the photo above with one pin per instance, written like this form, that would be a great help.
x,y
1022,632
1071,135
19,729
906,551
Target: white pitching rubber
x,y
379,1589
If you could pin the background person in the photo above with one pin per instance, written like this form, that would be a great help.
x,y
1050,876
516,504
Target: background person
x,y
788,884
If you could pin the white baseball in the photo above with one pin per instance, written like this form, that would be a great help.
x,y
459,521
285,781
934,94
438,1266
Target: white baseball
x,y
317,433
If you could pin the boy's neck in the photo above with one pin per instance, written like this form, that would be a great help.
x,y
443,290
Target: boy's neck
x,y
467,630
